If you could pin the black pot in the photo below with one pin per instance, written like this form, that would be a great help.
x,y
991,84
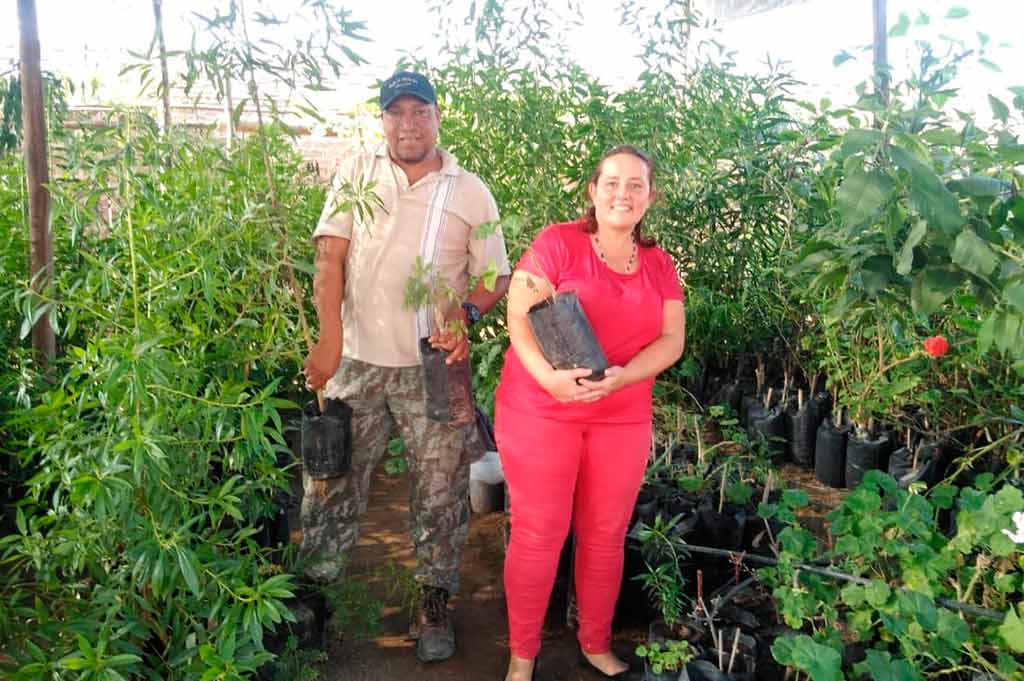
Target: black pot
x,y
721,530
646,505
705,670
327,439
768,425
730,394
565,336
932,460
275,528
748,404
802,427
309,606
449,388
659,632
865,453
830,453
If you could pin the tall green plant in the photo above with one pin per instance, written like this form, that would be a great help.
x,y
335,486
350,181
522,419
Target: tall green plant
x,y
917,231
157,454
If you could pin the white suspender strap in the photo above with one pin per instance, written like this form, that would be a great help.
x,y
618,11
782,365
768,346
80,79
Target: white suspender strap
x,y
432,230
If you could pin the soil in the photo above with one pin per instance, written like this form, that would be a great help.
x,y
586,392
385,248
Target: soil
x,y
479,607
821,499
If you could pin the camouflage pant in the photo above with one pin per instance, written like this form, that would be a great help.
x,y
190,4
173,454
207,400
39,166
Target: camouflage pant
x,y
383,398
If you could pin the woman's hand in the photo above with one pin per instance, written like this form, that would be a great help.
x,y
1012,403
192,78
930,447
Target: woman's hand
x,y
565,385
614,378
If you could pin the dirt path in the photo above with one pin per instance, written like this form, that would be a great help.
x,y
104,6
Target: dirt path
x,y
479,607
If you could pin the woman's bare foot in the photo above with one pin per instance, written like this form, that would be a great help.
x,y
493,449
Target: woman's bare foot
x,y
519,669
607,663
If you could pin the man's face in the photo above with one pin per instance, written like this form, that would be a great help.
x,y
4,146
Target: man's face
x,y
410,128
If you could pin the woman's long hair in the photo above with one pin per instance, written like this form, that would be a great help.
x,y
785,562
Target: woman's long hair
x,y
590,217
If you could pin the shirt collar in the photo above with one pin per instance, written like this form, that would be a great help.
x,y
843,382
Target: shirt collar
x,y
449,165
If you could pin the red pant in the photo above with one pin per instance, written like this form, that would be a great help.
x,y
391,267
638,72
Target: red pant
x,y
557,472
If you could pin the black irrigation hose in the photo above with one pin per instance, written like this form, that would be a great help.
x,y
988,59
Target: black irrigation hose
x,y
832,574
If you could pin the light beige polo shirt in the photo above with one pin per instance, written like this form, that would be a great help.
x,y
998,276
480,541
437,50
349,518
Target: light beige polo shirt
x,y
378,329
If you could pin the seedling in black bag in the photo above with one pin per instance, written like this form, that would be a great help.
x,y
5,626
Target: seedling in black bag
x,y
449,390
563,331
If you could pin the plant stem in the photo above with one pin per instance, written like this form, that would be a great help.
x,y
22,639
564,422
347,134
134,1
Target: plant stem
x,y
735,648
833,574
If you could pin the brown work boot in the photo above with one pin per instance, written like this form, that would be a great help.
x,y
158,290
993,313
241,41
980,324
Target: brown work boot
x,y
432,627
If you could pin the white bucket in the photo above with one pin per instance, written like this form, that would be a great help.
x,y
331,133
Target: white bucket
x,y
486,484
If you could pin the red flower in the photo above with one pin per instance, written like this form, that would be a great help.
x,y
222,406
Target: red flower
x,y
936,346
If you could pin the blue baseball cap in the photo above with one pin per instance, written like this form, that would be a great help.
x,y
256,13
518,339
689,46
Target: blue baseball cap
x,y
406,83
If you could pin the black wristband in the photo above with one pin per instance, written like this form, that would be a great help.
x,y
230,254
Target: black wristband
x,y
473,314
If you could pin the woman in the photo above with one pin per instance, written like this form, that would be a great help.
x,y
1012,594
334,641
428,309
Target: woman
x,y
573,450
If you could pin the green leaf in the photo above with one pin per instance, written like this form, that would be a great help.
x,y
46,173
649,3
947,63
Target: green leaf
x,y
900,28
187,570
905,260
1007,330
74,662
490,276
987,333
1012,630
979,186
861,197
813,254
860,139
841,58
877,593
1013,293
990,65
957,13
853,595
920,607
932,287
999,108
879,666
973,254
876,273
929,195
122,660
821,662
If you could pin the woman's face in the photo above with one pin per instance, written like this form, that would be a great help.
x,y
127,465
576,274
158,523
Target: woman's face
x,y
622,193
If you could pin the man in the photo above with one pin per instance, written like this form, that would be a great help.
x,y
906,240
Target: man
x,y
368,350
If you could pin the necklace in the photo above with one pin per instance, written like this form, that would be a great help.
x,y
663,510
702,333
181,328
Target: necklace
x,y
604,258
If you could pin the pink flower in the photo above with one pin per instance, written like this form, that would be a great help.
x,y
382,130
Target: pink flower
x,y
936,346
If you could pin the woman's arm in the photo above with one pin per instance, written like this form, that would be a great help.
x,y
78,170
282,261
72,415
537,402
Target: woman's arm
x,y
653,359
524,291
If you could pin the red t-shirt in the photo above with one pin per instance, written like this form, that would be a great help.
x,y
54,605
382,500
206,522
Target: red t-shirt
x,y
625,311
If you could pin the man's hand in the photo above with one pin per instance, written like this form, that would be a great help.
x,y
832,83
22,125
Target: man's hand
x,y
453,338
321,363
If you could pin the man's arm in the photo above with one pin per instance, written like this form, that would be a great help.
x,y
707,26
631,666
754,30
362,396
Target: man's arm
x,y
484,299
457,345
328,293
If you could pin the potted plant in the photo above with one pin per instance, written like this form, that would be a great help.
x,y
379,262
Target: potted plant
x,y
665,660
449,391
562,329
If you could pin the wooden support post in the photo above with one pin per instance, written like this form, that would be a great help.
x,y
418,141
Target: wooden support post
x,y
38,174
881,51
165,81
